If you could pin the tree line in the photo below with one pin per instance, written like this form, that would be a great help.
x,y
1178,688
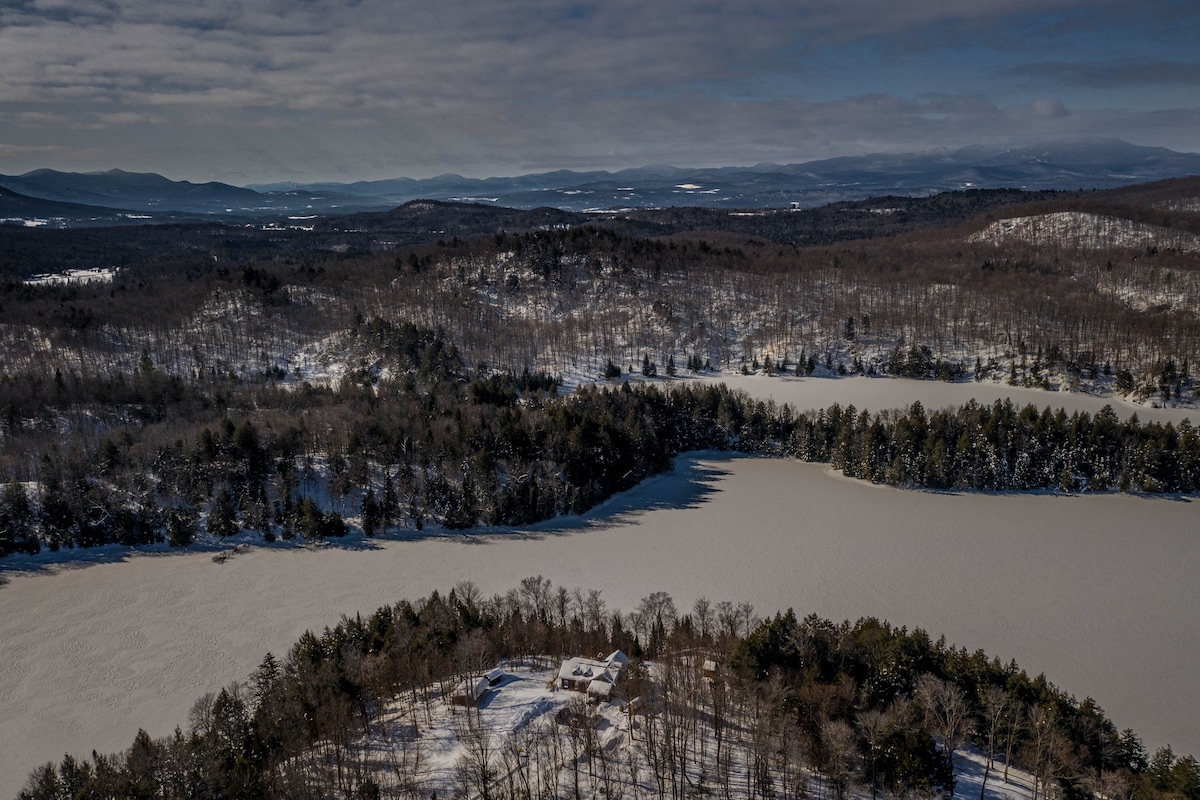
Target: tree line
x,y
1001,447
417,439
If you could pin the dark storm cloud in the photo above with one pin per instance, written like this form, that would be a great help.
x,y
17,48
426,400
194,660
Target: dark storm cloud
x,y
283,89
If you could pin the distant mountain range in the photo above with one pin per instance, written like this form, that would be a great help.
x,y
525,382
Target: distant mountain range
x,y
157,199
1069,164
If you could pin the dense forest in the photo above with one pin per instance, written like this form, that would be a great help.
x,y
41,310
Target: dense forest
x,y
437,445
797,704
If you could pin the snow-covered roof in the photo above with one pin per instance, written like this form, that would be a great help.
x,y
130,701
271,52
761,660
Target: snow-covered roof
x,y
576,669
580,669
617,657
471,690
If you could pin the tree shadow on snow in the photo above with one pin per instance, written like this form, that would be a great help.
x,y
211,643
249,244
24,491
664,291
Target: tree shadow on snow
x,y
49,562
689,484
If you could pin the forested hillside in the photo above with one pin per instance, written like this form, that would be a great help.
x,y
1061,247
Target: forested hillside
x,y
1039,306
285,381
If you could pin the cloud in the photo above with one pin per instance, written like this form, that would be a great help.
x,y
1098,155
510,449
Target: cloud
x,y
1043,107
37,151
310,54
36,119
960,104
1112,74
129,118
419,88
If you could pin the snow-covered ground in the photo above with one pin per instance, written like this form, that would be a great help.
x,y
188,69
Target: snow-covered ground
x,y
73,276
521,708
1099,592
521,704
1086,231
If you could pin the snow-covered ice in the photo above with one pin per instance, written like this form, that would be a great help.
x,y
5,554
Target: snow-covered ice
x,y
880,393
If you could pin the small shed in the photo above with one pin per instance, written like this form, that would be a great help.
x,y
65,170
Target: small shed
x,y
469,692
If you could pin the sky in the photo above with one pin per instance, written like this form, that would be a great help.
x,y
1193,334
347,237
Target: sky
x,y
253,91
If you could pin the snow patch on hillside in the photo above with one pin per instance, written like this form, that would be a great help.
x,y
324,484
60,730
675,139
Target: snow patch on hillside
x,y
1086,231
1185,204
73,277
1179,290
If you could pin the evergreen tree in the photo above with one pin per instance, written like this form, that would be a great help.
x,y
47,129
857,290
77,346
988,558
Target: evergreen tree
x,y
389,506
222,516
649,369
17,531
181,527
372,515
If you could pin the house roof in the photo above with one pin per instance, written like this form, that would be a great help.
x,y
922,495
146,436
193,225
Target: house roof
x,y
578,669
589,669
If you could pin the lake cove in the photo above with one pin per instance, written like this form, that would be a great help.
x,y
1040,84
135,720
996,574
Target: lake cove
x,y
1098,592
881,393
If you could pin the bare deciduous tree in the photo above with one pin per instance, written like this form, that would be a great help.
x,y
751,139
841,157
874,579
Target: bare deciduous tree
x,y
947,712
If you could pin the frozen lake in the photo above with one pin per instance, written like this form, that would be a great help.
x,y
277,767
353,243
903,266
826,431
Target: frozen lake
x,y
1100,593
879,393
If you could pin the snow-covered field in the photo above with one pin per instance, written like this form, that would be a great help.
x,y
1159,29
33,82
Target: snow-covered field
x,y
73,277
1098,592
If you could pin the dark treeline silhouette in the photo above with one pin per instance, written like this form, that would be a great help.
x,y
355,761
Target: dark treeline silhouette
x,y
426,446
861,705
